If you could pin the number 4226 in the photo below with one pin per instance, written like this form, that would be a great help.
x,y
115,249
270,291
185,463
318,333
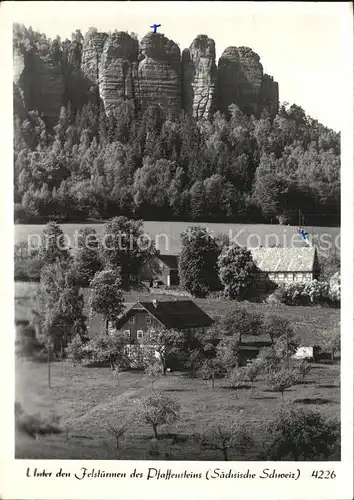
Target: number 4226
x,y
323,474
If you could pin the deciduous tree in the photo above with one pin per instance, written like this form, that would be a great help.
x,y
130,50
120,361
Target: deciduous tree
x,y
158,409
198,262
107,297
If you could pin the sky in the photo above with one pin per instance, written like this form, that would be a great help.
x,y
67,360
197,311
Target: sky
x,y
300,44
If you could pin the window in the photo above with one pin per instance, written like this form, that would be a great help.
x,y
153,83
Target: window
x,y
139,334
290,276
128,350
148,320
132,320
126,334
280,276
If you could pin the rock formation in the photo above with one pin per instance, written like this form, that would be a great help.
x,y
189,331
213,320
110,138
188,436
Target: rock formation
x,y
199,77
159,74
91,55
269,98
38,82
116,70
239,80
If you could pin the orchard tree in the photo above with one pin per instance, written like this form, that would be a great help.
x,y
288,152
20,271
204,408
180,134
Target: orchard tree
x,y
153,370
54,245
203,345
228,352
280,380
117,428
107,297
269,360
276,326
286,345
210,370
253,370
165,342
87,260
298,434
236,378
157,409
304,369
226,434
238,321
330,340
236,271
124,245
198,262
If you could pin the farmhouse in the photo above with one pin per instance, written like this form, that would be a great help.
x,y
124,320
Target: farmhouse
x,y
161,269
284,265
142,317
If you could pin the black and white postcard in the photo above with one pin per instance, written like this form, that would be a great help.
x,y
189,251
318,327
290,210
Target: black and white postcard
x,y
177,250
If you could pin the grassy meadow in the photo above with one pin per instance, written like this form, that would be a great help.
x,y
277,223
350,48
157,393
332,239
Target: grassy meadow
x,y
167,234
87,399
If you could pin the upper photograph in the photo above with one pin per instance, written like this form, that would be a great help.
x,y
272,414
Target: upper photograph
x,y
177,233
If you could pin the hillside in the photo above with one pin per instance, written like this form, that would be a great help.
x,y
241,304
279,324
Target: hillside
x,y
105,124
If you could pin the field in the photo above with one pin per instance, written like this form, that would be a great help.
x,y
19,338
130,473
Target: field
x,y
88,398
166,235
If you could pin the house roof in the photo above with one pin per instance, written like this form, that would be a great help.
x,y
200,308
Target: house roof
x,y
284,259
171,261
179,314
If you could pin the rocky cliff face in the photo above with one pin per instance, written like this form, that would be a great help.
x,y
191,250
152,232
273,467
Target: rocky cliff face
x,y
159,74
116,68
91,55
38,83
199,77
239,80
269,97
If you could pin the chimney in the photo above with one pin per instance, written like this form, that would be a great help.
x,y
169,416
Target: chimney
x,y
155,302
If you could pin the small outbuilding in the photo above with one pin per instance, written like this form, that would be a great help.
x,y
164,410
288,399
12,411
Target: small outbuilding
x,y
161,269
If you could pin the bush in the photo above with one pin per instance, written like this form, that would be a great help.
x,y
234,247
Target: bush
x,y
227,433
27,345
76,349
237,378
37,424
315,292
296,434
334,292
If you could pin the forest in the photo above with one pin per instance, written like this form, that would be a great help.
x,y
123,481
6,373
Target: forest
x,y
85,165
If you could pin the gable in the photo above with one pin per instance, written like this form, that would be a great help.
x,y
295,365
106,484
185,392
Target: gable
x,y
178,314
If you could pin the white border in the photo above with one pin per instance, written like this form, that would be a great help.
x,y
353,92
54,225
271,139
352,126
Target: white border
x,y
14,484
